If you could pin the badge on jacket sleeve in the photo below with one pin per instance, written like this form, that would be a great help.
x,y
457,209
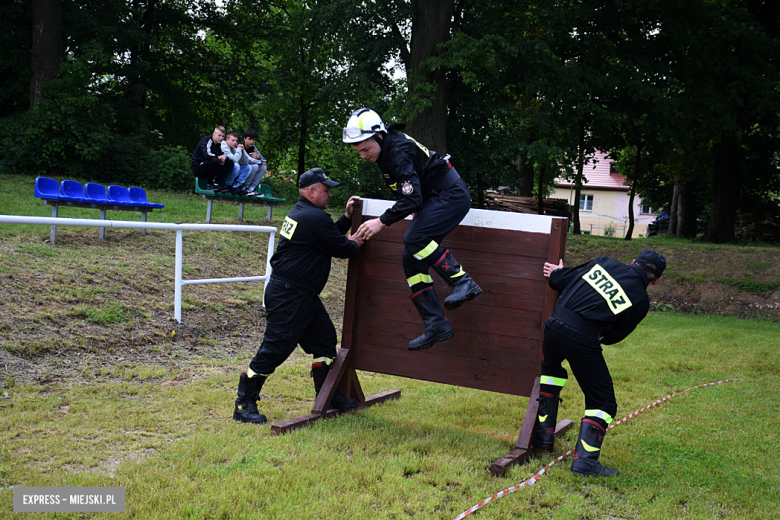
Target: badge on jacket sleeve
x,y
407,188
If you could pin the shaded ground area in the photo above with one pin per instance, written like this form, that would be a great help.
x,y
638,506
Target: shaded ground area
x,y
90,311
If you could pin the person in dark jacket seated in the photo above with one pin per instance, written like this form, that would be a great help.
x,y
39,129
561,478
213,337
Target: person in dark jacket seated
x,y
208,161
296,316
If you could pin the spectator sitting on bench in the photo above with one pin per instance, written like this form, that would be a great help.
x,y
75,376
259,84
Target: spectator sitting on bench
x,y
208,161
234,152
256,163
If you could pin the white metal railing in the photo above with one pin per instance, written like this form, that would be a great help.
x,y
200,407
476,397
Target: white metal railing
x,y
49,221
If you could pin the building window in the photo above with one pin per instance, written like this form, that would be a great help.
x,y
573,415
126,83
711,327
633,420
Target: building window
x,y
645,209
586,202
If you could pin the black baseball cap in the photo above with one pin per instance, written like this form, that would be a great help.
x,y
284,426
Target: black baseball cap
x,y
652,262
314,176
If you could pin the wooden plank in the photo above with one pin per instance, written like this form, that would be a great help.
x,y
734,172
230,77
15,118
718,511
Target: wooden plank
x,y
437,365
497,295
476,320
519,456
465,344
534,245
331,382
530,419
305,420
354,272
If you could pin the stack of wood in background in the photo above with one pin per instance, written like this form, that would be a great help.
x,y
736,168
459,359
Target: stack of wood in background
x,y
556,207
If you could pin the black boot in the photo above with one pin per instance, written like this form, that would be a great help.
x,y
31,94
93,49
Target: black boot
x,y
437,328
319,371
464,288
246,403
544,435
586,455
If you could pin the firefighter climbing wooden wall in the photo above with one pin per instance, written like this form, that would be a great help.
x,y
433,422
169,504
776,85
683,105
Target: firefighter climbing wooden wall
x,y
497,342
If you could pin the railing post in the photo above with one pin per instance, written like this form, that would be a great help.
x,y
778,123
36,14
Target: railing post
x,y
268,263
177,298
53,230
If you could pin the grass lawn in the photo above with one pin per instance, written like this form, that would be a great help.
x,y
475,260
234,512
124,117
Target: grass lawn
x,y
704,454
114,394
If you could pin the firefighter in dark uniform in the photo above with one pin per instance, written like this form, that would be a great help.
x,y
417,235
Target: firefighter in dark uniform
x,y
601,301
427,187
300,267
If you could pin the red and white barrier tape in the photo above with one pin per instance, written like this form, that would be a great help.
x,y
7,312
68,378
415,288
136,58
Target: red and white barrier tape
x,y
531,481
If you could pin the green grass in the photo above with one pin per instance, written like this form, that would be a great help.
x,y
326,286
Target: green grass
x,y
707,453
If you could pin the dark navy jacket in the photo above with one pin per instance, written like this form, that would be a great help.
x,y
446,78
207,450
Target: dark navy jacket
x,y
411,171
308,240
206,149
606,293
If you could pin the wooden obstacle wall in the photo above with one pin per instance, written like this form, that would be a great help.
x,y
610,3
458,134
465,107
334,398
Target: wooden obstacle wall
x,y
497,342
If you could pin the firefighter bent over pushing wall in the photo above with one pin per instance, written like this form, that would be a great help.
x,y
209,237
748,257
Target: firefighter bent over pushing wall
x,y
601,301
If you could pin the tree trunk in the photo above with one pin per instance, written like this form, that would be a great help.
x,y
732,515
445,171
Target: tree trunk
x,y
47,50
578,179
430,28
686,211
634,183
540,194
525,172
674,217
302,138
726,187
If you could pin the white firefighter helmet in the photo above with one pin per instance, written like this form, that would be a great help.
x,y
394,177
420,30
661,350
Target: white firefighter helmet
x,y
362,124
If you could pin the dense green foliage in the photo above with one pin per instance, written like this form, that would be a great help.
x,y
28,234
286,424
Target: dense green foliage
x,y
678,93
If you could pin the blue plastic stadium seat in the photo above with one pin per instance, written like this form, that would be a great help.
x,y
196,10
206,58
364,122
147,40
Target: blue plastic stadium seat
x,y
138,197
95,193
72,191
119,195
46,188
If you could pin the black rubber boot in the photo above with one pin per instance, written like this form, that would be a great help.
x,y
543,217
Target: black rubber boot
x,y
319,371
586,455
464,288
437,328
544,435
246,403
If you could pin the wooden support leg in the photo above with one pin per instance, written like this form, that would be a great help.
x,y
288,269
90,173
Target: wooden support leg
x,y
241,212
331,382
103,230
208,210
53,231
517,456
343,377
524,448
143,219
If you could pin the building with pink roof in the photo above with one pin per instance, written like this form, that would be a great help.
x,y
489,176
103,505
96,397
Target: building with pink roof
x,y
604,200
